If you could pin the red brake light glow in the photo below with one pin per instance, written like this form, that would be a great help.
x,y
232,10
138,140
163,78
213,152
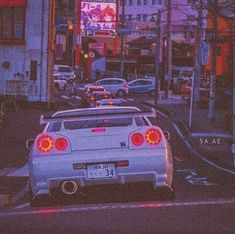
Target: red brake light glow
x,y
45,143
98,129
137,139
153,136
61,144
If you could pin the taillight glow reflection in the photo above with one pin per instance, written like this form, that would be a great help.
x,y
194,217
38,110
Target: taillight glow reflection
x,y
137,139
45,143
153,136
61,144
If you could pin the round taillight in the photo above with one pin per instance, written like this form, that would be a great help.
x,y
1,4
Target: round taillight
x,y
61,144
45,143
137,139
153,136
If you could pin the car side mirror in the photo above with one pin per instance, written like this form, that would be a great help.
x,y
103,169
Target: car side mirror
x,y
167,135
29,143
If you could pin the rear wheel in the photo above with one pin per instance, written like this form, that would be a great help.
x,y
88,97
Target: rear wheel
x,y
165,194
120,93
152,93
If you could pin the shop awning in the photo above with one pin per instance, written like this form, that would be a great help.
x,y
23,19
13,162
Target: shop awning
x,y
13,3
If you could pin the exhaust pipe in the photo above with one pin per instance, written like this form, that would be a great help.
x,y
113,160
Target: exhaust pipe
x,y
69,187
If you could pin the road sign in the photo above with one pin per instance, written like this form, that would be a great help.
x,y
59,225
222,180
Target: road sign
x,y
124,30
205,53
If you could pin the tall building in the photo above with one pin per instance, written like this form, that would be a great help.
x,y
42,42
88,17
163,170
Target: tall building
x,y
26,48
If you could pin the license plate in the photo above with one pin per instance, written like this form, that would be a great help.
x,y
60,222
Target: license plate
x,y
106,170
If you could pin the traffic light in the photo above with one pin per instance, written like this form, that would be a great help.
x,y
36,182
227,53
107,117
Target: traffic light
x,y
70,26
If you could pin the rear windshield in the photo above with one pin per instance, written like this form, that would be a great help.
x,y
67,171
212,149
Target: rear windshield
x,y
65,69
81,124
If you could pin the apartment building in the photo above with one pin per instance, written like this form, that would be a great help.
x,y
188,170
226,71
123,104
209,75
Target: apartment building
x,y
26,48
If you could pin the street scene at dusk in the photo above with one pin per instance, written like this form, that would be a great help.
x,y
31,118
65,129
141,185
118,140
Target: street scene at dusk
x,y
117,116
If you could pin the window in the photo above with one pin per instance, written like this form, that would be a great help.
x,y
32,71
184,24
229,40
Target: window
x,y
191,1
130,2
153,2
145,2
138,17
12,23
159,2
130,17
145,17
138,2
191,18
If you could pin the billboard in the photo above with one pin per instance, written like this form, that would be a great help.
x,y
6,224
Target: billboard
x,y
98,15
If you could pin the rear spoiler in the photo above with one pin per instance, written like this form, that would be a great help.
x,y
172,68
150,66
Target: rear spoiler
x,y
45,120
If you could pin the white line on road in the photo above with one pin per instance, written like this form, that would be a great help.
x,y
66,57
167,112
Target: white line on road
x,y
194,151
152,205
22,206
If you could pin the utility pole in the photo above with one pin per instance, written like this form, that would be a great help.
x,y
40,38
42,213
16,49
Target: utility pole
x,y
198,60
233,102
157,57
213,63
167,78
122,39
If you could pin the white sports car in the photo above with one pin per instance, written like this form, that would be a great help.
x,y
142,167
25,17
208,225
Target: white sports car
x,y
94,146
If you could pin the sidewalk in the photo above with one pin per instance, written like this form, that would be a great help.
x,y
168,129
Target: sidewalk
x,y
212,140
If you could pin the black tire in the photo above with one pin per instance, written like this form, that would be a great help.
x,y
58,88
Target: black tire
x,y
165,194
152,93
120,93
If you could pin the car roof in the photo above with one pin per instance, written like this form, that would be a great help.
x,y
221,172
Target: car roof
x,y
140,80
111,79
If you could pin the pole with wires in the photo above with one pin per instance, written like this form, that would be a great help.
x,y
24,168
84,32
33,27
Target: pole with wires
x,y
213,63
122,39
157,58
168,75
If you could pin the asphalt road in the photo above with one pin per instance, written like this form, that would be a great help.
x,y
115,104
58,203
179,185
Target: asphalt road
x,y
205,201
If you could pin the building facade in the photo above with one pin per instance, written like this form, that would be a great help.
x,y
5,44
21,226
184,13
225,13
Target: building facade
x,y
140,18
26,48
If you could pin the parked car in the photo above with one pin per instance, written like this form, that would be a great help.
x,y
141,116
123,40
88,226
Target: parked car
x,y
99,95
59,82
92,88
109,102
116,86
80,148
65,71
179,75
186,90
141,86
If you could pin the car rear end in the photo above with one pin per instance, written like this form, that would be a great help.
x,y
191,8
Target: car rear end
x,y
90,152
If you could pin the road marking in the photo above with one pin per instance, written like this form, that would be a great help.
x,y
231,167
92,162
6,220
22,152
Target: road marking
x,y
19,172
192,178
152,205
22,206
194,151
6,171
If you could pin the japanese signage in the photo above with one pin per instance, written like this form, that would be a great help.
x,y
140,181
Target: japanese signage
x,y
98,16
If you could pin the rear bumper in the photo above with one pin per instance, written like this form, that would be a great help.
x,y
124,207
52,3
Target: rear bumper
x,y
48,174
